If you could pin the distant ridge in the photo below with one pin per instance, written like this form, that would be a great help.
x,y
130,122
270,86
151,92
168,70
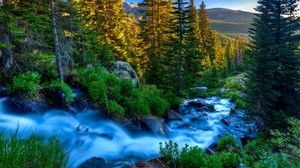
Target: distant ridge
x,y
226,21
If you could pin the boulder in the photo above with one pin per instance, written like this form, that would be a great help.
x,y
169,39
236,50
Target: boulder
x,y
124,70
225,121
201,105
95,162
25,106
56,97
211,149
173,115
201,89
152,125
142,164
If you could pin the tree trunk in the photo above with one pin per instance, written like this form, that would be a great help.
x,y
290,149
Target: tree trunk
x,y
56,45
6,52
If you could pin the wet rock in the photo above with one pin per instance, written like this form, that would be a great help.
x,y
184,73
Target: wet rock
x,y
124,70
211,149
173,115
79,106
82,128
25,106
245,139
56,97
201,105
142,164
221,91
225,121
153,125
95,162
201,89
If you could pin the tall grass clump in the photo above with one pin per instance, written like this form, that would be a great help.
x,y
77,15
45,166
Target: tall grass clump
x,y
31,152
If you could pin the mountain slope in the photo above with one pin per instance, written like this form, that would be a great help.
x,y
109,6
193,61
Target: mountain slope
x,y
230,22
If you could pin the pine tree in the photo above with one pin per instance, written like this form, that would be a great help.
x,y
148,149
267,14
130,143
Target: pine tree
x,y
193,56
230,58
207,37
273,78
153,27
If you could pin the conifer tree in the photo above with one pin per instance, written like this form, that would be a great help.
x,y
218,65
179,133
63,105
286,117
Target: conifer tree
x,y
193,56
207,37
153,32
273,78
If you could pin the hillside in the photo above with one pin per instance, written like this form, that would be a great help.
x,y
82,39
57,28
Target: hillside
x,y
230,22
226,21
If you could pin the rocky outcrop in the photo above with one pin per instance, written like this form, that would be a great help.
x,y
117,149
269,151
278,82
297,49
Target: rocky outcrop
x,y
202,105
24,106
95,162
152,125
56,98
173,115
124,70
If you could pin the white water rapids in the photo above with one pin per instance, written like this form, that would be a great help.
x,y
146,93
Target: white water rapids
x,y
109,140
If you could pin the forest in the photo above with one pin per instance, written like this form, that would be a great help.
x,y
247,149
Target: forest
x,y
170,54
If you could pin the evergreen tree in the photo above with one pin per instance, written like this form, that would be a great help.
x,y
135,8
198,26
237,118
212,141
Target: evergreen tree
x,y
193,56
239,51
157,13
273,78
230,58
207,37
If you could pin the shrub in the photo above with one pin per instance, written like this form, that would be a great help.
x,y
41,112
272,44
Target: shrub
x,y
26,83
31,152
277,160
62,86
193,157
288,142
232,95
240,103
229,159
225,143
169,153
97,92
115,109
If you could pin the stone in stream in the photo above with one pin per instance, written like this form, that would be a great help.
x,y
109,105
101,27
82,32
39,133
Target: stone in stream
x,y
95,162
24,106
173,115
225,121
201,105
152,125
56,97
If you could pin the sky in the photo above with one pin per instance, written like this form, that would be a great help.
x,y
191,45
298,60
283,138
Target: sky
x,y
245,5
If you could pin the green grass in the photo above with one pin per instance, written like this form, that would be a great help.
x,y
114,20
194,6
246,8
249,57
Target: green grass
x,y
31,152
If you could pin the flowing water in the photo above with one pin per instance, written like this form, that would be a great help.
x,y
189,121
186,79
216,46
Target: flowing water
x,y
87,134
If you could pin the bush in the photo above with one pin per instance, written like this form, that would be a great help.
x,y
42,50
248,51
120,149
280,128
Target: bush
x,y
57,84
31,152
169,153
26,83
225,143
232,95
229,159
193,157
115,109
103,87
240,103
278,160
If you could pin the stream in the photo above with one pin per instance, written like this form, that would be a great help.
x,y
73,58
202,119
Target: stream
x,y
89,133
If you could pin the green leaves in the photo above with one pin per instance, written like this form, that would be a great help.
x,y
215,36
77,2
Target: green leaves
x,y
26,83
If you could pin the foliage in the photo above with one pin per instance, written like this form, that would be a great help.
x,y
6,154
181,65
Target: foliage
x,y
120,95
226,142
26,83
274,160
114,108
229,159
57,84
288,142
170,153
273,65
31,152
193,157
